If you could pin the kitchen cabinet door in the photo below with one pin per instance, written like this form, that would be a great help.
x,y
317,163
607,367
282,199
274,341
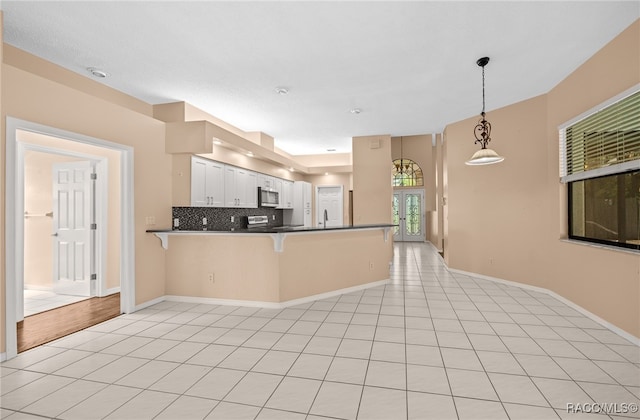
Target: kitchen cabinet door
x,y
207,183
198,182
214,184
251,190
230,194
277,185
265,181
286,198
240,187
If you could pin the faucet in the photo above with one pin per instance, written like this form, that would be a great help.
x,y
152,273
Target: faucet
x,y
326,217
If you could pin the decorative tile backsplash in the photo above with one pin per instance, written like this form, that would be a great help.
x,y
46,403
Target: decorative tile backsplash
x,y
219,218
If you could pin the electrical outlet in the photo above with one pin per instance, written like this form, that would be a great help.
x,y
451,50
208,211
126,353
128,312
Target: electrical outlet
x,y
212,278
274,217
150,220
233,219
204,220
176,222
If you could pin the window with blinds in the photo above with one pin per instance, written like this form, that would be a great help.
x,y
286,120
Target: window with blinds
x,y
600,162
604,142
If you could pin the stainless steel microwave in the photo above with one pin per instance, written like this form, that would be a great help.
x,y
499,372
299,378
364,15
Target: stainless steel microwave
x,y
268,197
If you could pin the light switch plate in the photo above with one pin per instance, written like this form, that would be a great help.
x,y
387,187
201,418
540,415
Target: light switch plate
x,y
204,220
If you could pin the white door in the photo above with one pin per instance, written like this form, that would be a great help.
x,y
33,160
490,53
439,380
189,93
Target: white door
x,y
408,214
72,230
329,209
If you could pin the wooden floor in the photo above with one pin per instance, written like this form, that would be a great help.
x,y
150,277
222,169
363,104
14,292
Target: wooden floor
x,y
47,326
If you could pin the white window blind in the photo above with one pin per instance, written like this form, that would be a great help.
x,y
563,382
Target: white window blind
x,y
605,142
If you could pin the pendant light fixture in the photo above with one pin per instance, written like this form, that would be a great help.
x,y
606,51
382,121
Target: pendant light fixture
x,y
402,166
482,132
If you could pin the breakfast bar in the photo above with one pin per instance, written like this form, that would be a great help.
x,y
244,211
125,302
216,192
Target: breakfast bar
x,y
275,266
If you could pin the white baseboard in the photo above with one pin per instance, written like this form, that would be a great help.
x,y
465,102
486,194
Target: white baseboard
x,y
622,333
148,303
333,293
113,291
226,302
260,304
3,357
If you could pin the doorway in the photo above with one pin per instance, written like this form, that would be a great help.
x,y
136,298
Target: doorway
x,y
15,211
329,199
59,242
408,215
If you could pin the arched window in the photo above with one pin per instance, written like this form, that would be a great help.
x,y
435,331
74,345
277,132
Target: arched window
x,y
406,173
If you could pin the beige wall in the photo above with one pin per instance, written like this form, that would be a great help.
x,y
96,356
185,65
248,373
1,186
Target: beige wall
x,y
508,220
348,259
436,216
30,97
191,259
372,191
310,264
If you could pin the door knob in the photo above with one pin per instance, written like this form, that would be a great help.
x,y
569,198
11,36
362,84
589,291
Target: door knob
x,y
54,234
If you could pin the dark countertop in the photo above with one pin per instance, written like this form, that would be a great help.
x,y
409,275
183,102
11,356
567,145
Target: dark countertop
x,y
278,229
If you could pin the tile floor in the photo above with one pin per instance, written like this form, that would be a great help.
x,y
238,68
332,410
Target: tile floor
x,y
36,301
432,344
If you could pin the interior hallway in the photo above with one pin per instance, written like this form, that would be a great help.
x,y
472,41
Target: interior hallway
x,y
430,344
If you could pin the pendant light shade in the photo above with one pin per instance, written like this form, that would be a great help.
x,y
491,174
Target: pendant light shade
x,y
482,132
484,157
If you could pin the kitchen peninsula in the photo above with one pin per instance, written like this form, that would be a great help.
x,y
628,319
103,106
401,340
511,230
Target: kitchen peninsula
x,y
275,266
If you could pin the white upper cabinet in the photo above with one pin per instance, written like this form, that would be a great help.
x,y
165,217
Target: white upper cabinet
x,y
214,184
207,183
247,184
265,181
286,197
240,188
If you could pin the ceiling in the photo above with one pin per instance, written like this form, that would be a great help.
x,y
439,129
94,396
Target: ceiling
x,y
408,66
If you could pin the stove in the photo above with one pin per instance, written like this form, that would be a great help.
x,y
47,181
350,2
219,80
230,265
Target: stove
x,y
257,221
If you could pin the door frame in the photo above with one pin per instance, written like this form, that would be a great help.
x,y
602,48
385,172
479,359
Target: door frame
x,y
14,219
318,188
423,215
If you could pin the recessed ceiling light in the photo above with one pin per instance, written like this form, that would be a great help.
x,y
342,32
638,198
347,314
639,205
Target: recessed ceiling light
x,y
331,150
355,110
326,173
281,90
250,154
291,170
97,72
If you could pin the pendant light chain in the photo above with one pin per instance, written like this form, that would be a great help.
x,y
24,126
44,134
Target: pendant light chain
x,y
482,130
482,91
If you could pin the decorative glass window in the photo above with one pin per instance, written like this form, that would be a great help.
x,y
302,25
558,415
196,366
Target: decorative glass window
x,y
406,173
